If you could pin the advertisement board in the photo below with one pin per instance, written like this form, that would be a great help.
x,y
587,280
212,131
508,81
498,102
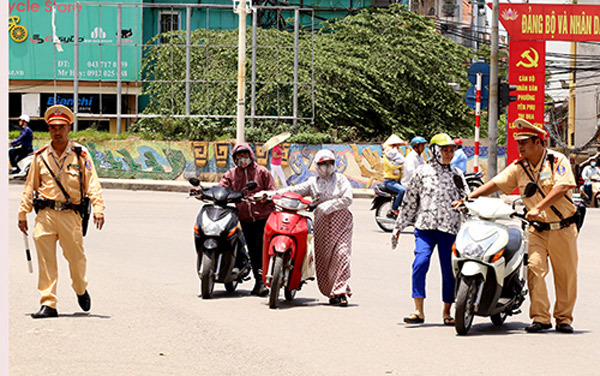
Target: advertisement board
x,y
31,47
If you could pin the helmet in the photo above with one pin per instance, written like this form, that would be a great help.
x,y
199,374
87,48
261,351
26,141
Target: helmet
x,y
25,118
458,141
442,139
244,148
324,155
417,140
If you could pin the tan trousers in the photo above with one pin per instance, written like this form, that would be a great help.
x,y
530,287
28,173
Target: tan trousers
x,y
65,226
561,247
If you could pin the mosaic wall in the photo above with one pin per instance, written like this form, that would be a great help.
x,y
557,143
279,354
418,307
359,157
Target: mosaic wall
x,y
162,160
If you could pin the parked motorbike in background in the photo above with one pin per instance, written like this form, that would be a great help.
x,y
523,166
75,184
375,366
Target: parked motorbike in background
x,y
219,239
382,204
489,261
287,246
23,165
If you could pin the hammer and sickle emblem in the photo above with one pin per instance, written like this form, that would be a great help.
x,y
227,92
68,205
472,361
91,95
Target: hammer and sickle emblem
x,y
532,61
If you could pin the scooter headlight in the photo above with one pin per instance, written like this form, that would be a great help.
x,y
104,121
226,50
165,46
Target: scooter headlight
x,y
290,203
476,249
214,228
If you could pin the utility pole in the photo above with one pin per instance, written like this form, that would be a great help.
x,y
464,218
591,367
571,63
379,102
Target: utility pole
x,y
493,104
242,11
572,79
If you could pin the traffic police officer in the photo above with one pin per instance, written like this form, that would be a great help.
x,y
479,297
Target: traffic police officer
x,y
60,173
554,235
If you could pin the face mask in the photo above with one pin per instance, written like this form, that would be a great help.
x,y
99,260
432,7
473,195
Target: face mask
x,y
593,164
325,170
243,162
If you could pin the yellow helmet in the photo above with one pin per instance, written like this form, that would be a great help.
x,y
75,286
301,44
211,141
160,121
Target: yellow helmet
x,y
442,139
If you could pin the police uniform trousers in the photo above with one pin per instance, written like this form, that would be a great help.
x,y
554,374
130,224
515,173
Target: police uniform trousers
x,y
560,246
65,226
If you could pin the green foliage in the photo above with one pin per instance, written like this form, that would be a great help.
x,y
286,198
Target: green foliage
x,y
378,72
86,135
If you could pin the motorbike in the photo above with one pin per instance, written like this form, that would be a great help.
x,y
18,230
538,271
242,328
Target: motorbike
x,y
23,165
287,247
489,261
382,204
593,201
218,238
474,180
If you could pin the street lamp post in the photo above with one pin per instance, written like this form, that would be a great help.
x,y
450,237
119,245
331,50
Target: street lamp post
x,y
240,7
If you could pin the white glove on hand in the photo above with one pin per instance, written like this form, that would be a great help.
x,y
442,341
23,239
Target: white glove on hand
x,y
395,237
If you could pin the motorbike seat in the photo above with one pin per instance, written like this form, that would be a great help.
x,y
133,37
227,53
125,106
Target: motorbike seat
x,y
381,187
514,243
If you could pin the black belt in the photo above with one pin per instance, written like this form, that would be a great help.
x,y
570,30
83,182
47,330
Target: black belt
x,y
546,226
56,205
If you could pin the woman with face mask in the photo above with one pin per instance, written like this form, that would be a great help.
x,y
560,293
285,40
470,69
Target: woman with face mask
x,y
427,206
331,192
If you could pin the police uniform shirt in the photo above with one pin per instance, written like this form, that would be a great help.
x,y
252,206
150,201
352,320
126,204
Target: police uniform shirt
x,y
66,168
547,175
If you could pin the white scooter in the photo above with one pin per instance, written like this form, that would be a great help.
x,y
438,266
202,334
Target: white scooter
x,y
489,262
593,201
24,165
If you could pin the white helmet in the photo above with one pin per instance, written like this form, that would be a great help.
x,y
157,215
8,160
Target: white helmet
x,y
25,118
324,155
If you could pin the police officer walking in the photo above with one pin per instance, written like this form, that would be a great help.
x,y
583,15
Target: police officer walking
x,y
61,183
553,235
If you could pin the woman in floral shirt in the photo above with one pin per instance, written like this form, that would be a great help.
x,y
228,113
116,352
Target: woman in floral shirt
x,y
427,207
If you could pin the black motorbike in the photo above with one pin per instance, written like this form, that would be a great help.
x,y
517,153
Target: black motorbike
x,y
474,180
220,244
382,204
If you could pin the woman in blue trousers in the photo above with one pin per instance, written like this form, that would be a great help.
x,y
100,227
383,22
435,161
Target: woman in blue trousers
x,y
427,207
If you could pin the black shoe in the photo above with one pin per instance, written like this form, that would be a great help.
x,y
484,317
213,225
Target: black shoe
x,y
45,312
564,328
334,301
343,300
259,288
85,302
537,327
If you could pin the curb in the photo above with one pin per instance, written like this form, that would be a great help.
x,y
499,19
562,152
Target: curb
x,y
174,186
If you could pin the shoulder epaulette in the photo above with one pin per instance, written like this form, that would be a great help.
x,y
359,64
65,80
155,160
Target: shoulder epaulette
x,y
79,150
39,150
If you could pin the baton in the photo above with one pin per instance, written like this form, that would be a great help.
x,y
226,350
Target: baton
x,y
27,253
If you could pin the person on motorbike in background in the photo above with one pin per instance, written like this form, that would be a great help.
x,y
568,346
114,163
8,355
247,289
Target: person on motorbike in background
x,y
414,159
428,207
460,158
331,193
587,173
253,215
25,142
393,160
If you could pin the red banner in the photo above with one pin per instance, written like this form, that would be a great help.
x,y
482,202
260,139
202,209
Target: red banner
x,y
527,62
567,22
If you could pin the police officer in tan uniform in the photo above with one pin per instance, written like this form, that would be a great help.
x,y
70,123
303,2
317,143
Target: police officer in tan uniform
x,y
554,235
58,216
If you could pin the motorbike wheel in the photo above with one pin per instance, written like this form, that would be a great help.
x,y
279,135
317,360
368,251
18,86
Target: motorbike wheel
x,y
231,286
289,294
276,282
382,211
465,305
498,319
208,276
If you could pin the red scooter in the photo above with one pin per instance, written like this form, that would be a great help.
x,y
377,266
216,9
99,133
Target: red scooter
x,y
287,247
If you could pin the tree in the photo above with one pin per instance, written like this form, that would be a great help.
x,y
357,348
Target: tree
x,y
378,72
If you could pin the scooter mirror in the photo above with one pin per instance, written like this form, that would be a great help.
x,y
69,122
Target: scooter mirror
x,y
251,185
194,181
530,189
458,181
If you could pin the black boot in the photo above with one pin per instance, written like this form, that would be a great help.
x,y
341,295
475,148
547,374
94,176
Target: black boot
x,y
259,287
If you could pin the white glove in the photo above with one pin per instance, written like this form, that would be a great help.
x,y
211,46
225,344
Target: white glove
x,y
395,237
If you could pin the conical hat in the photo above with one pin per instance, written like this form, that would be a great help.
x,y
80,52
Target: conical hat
x,y
394,140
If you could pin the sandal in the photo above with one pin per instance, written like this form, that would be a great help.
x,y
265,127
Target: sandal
x,y
343,301
414,319
334,301
449,321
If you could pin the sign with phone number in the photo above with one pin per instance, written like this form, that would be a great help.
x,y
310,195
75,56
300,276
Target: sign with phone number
x,y
32,55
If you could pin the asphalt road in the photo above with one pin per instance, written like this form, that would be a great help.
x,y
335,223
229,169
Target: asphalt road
x,y
147,318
